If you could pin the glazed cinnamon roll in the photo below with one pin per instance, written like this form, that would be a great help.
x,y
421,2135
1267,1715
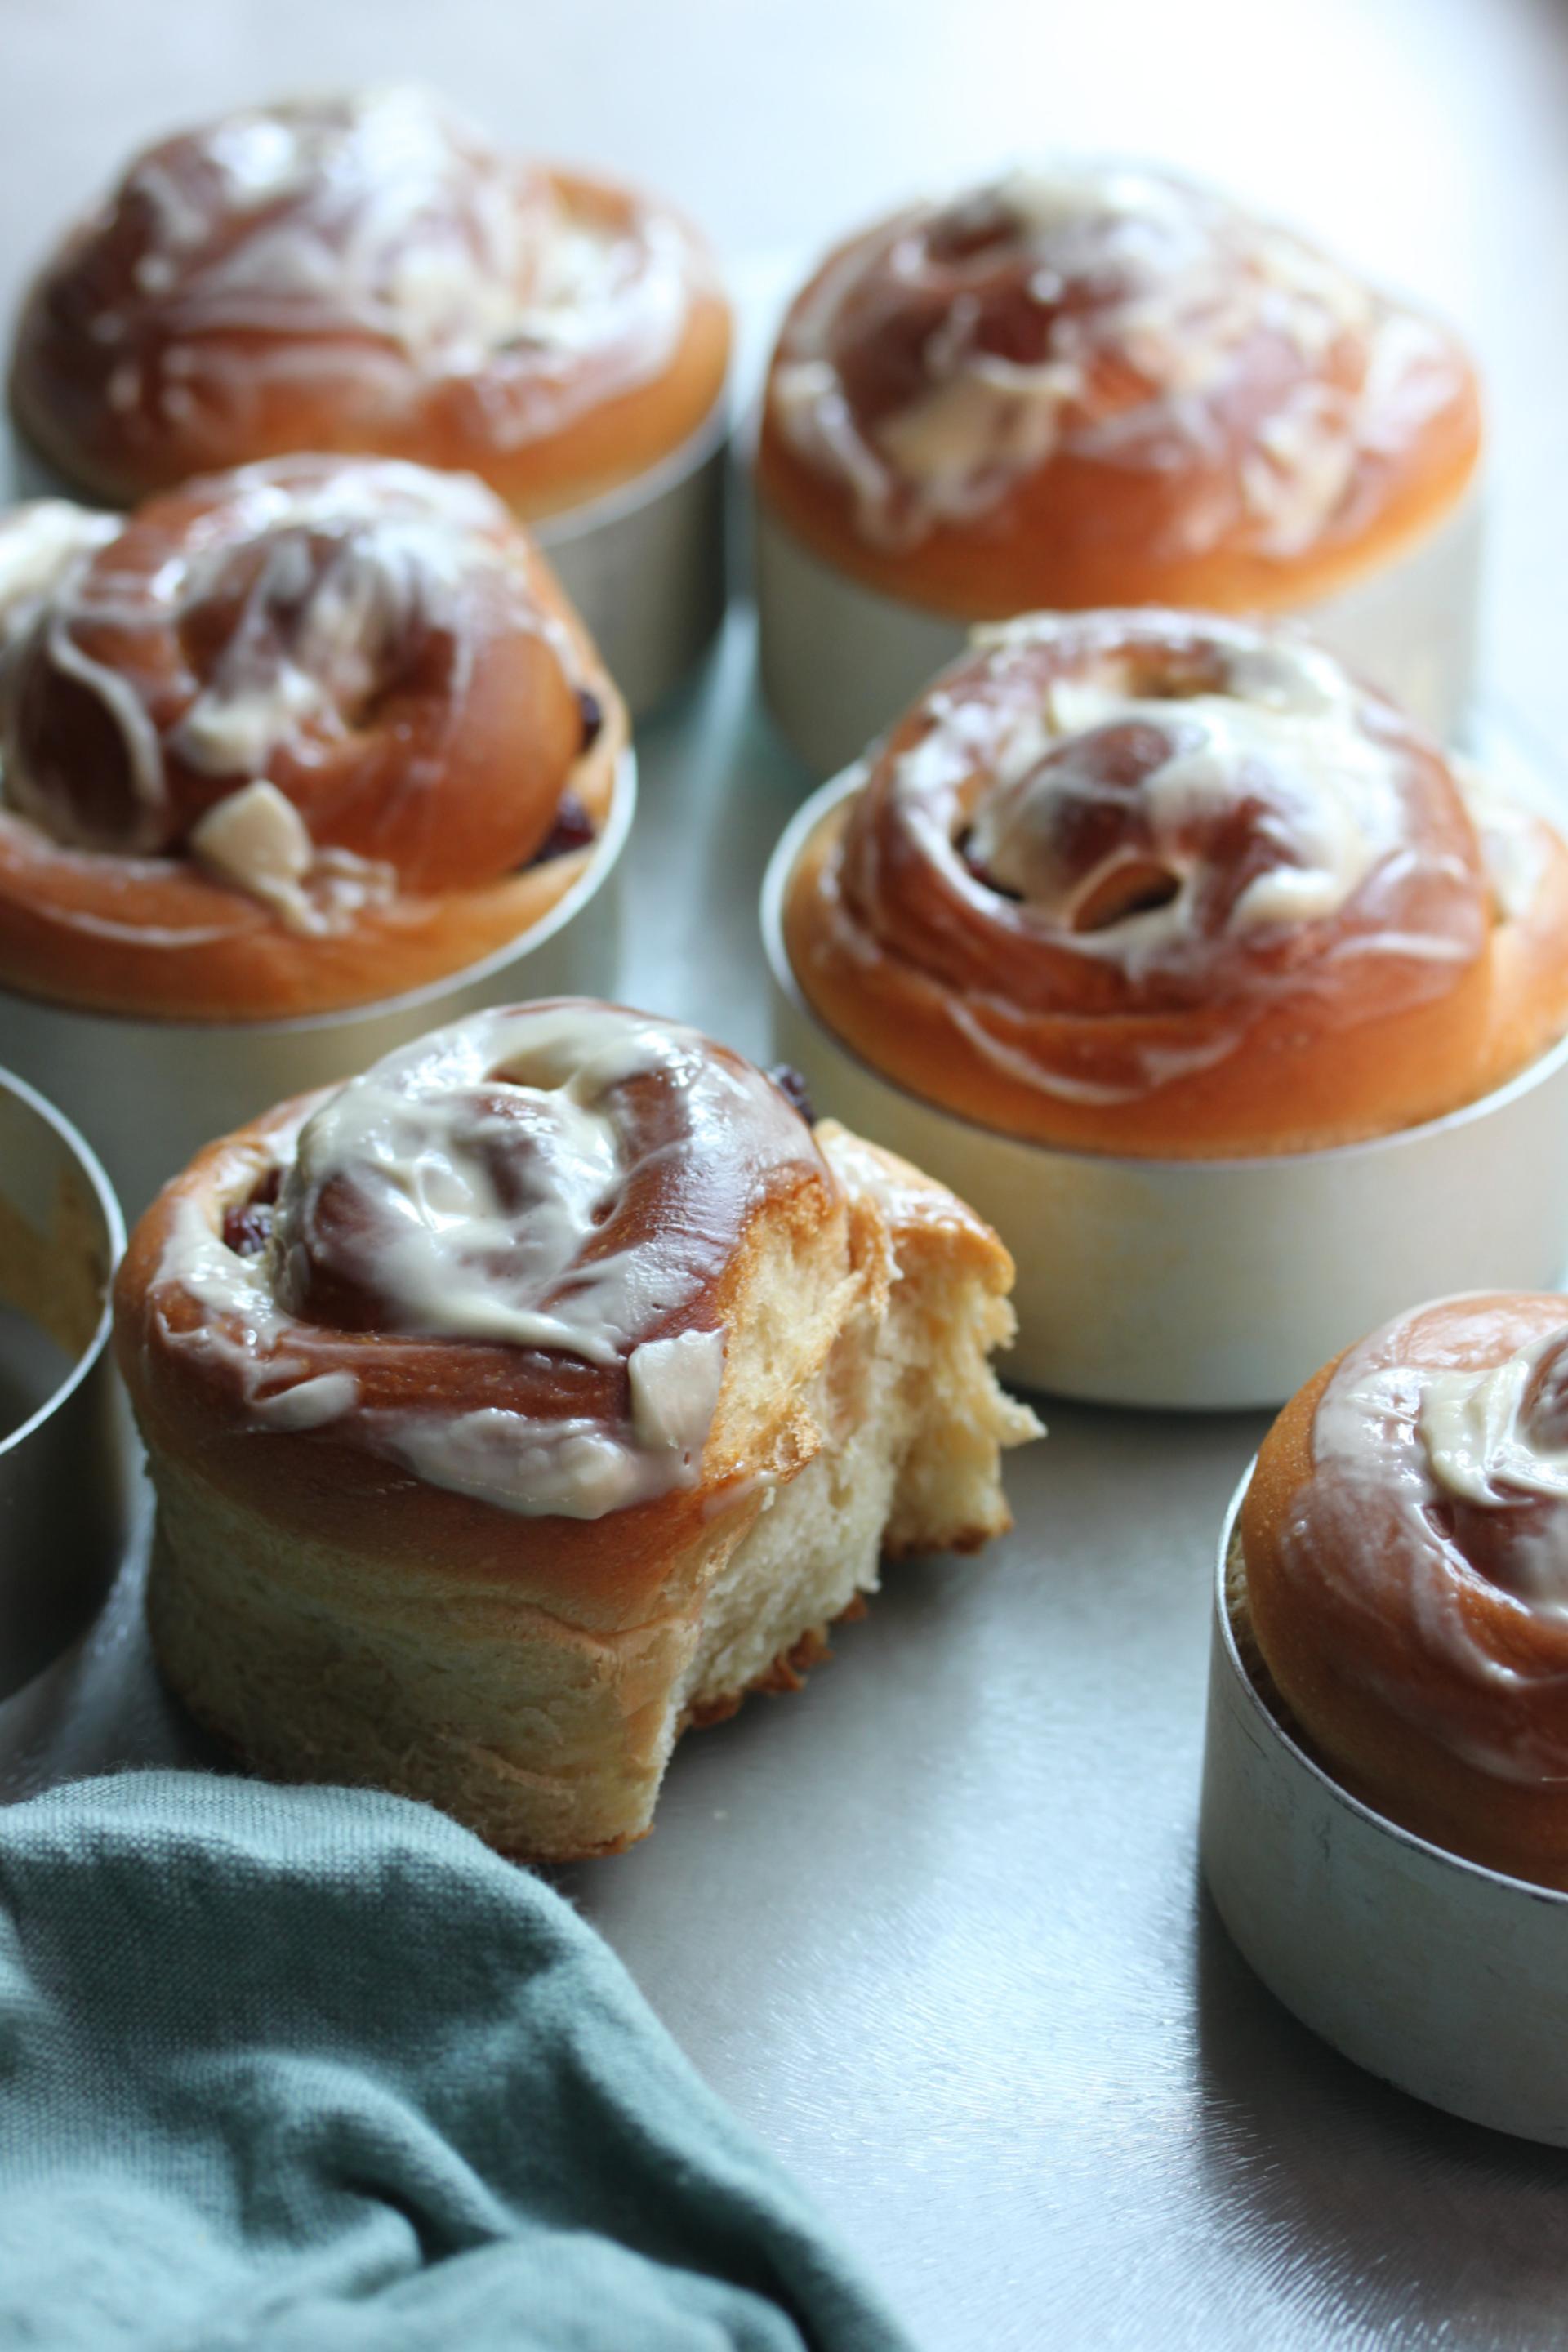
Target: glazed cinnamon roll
x,y
536,1394
1399,1575
366,274
291,738
1157,884
1102,384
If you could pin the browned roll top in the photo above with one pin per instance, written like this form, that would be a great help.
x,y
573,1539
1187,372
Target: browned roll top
x,y
1104,384
255,737
367,273
497,1267
1405,1539
1149,882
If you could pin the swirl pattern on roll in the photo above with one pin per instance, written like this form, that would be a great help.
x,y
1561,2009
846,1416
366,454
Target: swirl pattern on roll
x,y
1155,882
250,733
1192,383
498,1260
1405,1545
363,272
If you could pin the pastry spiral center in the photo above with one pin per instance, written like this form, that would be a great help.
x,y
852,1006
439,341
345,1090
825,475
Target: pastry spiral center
x,y
376,216
1083,286
460,1217
1237,804
497,1183
502,1252
154,673
299,632
1185,817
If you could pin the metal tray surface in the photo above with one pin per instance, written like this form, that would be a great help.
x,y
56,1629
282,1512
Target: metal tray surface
x,y
934,1926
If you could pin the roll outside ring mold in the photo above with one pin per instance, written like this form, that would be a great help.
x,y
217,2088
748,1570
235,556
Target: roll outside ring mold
x,y
65,1494
150,1094
1213,1284
1447,1979
840,661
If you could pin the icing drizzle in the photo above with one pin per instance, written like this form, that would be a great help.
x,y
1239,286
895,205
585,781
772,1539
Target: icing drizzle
x,y
271,674
343,242
519,1222
1436,1514
1097,820
1115,316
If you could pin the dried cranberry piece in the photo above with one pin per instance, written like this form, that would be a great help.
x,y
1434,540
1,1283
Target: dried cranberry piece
x,y
247,1230
592,713
572,829
792,1087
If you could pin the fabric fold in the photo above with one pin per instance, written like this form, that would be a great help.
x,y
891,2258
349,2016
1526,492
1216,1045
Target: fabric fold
x,y
300,2067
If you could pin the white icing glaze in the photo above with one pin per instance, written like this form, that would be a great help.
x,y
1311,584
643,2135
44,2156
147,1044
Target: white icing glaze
x,y
443,1218
256,841
243,1325
1156,1066
46,549
1183,288
382,219
247,1330
128,715
579,1469
483,1163
233,729
400,541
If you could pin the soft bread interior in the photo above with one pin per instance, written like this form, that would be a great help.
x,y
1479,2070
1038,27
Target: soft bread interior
x,y
549,1737
910,1417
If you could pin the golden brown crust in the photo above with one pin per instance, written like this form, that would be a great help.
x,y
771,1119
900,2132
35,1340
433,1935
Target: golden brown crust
x,y
198,320
337,1485
431,803
1348,1623
1016,1005
367,1455
1089,520
1069,539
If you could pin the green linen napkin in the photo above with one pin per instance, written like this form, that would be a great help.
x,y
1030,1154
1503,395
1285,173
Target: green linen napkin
x,y
300,2068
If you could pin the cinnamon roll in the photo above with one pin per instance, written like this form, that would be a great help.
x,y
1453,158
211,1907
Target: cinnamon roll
x,y
301,737
1397,1578
366,274
1102,384
539,1393
1155,883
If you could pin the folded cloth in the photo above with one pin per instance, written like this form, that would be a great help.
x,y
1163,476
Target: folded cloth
x,y
311,2067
